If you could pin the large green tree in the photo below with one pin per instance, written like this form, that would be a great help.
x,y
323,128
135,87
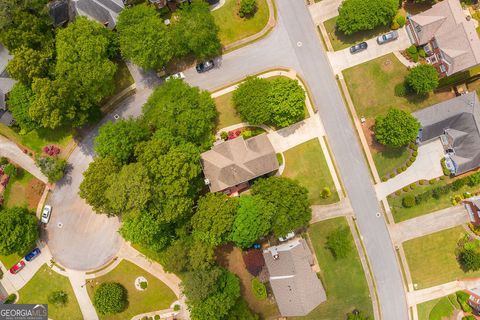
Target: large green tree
x,y
290,200
28,64
252,221
184,111
195,31
287,100
144,38
52,167
396,129
423,78
357,15
110,298
118,139
129,190
251,100
95,182
19,101
213,220
19,230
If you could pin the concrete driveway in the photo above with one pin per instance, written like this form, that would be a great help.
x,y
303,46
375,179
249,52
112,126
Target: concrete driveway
x,y
343,59
427,166
324,10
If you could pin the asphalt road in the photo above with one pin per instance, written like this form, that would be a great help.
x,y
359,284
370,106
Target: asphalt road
x,y
295,43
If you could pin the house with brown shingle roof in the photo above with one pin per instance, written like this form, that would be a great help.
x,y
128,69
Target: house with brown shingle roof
x,y
448,37
295,285
234,162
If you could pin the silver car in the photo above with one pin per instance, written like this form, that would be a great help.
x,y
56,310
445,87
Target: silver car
x,y
178,75
47,211
387,37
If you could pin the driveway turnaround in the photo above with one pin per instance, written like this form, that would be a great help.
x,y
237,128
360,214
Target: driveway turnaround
x,y
427,166
324,10
343,59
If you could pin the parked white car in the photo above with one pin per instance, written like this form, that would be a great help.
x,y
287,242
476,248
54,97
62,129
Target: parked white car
x,y
289,236
178,75
47,211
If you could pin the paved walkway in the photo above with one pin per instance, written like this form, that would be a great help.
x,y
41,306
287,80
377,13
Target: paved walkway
x,y
13,152
325,212
324,10
296,134
419,296
427,166
79,285
343,59
428,224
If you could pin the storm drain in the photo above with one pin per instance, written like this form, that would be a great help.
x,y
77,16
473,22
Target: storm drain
x,y
60,225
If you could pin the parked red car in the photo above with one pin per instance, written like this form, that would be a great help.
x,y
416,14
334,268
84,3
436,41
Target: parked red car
x,y
16,268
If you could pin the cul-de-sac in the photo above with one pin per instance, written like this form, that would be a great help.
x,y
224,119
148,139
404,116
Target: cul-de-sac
x,y
239,159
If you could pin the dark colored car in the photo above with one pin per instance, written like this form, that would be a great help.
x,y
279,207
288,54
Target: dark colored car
x,y
205,66
16,268
32,255
358,47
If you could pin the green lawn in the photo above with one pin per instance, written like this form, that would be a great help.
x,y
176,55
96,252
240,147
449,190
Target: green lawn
x,y
36,139
41,285
123,78
437,309
10,261
157,296
389,159
341,41
343,279
18,193
372,88
234,28
306,163
435,252
227,115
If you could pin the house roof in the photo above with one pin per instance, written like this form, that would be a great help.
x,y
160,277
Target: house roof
x,y
103,11
6,118
238,160
459,120
58,10
296,287
455,35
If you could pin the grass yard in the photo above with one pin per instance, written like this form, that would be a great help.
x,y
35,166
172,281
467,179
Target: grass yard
x,y
36,139
306,163
123,78
438,250
23,190
233,28
437,309
41,285
343,279
372,88
227,115
388,159
10,261
341,41
157,296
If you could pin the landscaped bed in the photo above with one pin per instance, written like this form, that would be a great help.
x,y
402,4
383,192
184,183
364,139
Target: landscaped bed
x,y
23,190
306,163
341,41
42,285
233,27
436,250
343,279
156,297
438,308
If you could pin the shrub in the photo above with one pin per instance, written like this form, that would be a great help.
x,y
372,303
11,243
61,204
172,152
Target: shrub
x,y
415,153
404,167
357,315
338,242
412,49
424,196
422,53
224,135
412,159
413,185
110,298
405,189
409,201
475,229
176,308
11,298
10,170
392,175
401,90
143,285
409,163
422,182
401,20
394,25
384,178
474,179
3,161
458,184
462,298
247,8
399,170
469,260
398,192
423,79
470,317
325,193
259,290
52,168
446,172
432,181
58,298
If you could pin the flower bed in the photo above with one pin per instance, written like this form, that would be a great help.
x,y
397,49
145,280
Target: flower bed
x,y
246,133
412,149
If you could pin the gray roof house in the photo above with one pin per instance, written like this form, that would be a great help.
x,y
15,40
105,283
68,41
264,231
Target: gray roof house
x,y
233,162
456,122
6,84
59,11
104,11
448,37
295,285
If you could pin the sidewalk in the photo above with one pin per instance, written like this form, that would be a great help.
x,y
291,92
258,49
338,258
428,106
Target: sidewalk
x,y
79,285
419,296
325,212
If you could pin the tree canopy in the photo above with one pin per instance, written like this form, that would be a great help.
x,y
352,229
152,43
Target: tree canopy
x,y
52,167
357,15
396,129
252,221
19,101
144,38
110,298
213,220
279,102
19,230
28,64
118,139
184,111
290,200
423,78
